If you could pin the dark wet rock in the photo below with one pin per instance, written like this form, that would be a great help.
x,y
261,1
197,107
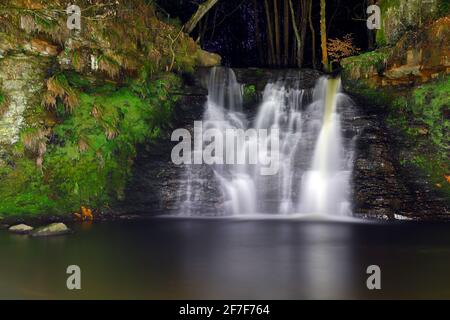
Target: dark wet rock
x,y
304,78
382,187
54,229
130,217
157,184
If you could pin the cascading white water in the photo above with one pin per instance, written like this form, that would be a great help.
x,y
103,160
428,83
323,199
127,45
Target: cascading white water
x,y
325,187
314,160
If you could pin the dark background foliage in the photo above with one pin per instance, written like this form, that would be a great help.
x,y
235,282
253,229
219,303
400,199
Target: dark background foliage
x,y
230,29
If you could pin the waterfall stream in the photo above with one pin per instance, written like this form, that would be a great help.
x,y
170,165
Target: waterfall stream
x,y
312,158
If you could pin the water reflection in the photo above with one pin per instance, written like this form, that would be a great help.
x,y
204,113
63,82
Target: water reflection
x,y
264,259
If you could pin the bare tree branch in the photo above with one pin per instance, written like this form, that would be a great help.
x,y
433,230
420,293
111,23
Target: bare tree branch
x,y
198,15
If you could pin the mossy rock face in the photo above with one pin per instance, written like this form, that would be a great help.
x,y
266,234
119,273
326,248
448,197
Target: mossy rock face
x,y
207,59
365,66
21,83
400,16
416,58
409,81
75,105
90,150
420,117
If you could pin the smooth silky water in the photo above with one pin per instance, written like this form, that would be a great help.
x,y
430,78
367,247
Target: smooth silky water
x,y
287,236
314,160
187,258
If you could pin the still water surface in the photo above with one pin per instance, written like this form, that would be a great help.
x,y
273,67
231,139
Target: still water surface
x,y
230,259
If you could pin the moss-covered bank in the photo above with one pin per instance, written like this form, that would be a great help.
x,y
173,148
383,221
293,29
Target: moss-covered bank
x,y
89,152
98,94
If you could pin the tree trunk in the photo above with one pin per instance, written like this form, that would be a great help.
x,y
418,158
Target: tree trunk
x,y
304,23
313,36
277,32
297,34
202,28
271,49
323,35
286,33
259,46
198,15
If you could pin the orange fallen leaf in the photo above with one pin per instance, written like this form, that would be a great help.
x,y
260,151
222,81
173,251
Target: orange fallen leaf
x,y
86,214
447,178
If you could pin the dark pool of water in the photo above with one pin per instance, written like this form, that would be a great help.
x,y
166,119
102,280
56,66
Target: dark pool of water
x,y
257,259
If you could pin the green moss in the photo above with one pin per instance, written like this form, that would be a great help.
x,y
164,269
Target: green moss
x,y
366,62
443,8
380,38
357,73
421,117
420,113
22,189
90,158
250,93
400,16
92,121
3,103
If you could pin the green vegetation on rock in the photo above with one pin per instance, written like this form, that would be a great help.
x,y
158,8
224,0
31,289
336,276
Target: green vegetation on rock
x,y
250,93
104,90
399,16
365,65
422,115
92,148
3,103
410,80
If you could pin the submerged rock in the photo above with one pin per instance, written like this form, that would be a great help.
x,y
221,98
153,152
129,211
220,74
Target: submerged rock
x,y
54,229
21,229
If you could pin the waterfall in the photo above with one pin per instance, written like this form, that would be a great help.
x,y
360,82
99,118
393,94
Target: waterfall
x,y
325,186
313,159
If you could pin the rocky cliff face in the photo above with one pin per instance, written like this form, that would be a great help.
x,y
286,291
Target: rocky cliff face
x,y
155,184
405,170
417,57
384,186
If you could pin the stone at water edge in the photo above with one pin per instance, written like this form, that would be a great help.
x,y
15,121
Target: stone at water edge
x,y
21,229
54,229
